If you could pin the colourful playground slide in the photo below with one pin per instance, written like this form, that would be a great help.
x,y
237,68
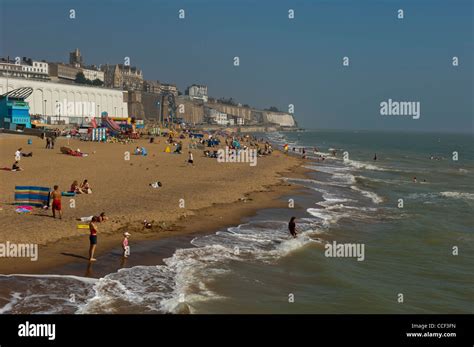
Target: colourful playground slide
x,y
110,124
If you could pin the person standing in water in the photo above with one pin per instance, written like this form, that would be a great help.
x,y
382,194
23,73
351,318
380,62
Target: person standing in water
x,y
93,238
292,227
375,156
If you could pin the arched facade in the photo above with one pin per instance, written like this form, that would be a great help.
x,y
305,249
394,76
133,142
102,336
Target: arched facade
x,y
69,102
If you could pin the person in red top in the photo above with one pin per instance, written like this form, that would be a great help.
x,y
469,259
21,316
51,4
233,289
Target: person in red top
x,y
93,238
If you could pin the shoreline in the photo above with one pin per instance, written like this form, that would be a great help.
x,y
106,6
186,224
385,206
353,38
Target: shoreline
x,y
73,250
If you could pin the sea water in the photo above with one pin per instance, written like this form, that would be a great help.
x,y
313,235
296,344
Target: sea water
x,y
418,242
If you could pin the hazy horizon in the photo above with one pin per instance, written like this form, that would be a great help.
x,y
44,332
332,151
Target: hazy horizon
x,y
282,61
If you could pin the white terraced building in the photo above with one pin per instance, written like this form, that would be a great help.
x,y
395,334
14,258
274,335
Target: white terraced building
x,y
69,103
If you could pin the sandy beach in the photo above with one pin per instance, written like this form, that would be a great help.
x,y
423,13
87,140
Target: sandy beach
x,y
214,195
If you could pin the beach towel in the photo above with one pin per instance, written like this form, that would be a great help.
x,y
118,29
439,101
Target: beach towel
x,y
24,209
32,196
68,194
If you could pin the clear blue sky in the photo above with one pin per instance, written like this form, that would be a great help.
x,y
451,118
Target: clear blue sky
x,y
282,61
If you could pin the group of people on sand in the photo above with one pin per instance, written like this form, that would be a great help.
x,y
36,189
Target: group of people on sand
x,y
93,225
18,155
83,188
51,138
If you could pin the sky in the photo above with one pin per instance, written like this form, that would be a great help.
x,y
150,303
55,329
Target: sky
x,y
283,61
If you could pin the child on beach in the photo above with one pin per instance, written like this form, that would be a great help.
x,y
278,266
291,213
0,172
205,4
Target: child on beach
x,y
190,158
125,246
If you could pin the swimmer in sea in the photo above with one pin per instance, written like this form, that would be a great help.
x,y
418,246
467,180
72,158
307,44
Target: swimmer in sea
x,y
375,156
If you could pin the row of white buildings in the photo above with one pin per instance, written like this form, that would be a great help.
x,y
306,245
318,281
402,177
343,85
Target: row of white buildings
x,y
24,68
214,116
69,103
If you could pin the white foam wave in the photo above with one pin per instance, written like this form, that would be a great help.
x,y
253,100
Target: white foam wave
x,y
450,195
458,195
328,169
371,195
361,165
328,217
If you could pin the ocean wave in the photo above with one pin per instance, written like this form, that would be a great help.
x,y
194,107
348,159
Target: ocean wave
x,y
386,181
45,294
327,169
344,178
332,201
457,195
371,195
326,216
435,195
361,165
340,175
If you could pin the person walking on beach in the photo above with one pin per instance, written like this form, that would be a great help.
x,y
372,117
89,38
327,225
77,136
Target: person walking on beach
x,y
92,238
56,196
190,158
48,143
292,227
125,245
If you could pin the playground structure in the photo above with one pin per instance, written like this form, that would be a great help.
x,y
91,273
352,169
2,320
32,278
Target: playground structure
x,y
121,127
113,127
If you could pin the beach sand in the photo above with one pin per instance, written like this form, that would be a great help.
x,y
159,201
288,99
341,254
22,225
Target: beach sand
x,y
215,195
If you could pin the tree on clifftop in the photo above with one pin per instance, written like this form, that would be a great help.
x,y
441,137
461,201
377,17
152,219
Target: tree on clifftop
x,y
97,82
272,109
80,78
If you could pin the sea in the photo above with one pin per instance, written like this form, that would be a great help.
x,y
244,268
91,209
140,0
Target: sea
x,y
417,237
